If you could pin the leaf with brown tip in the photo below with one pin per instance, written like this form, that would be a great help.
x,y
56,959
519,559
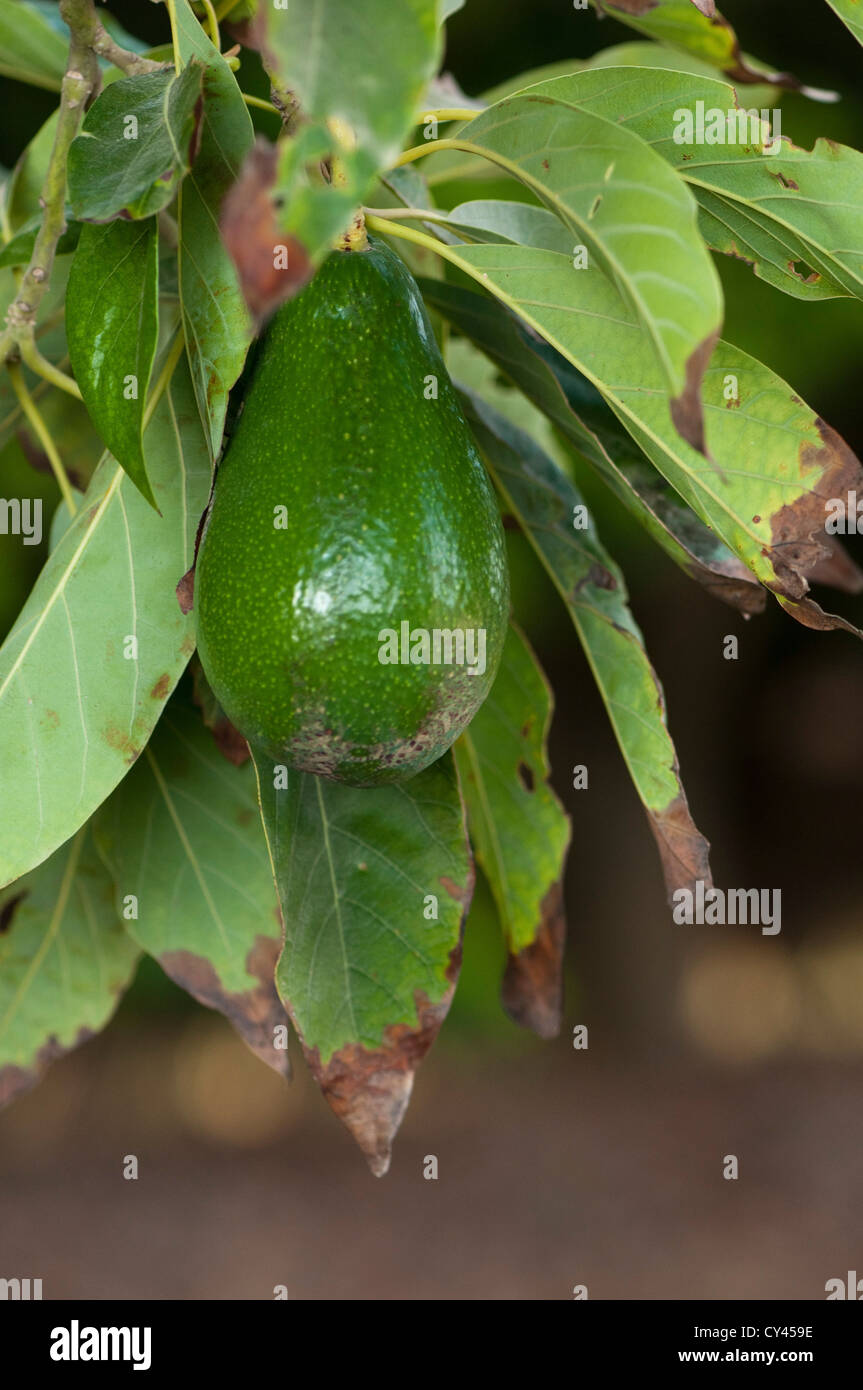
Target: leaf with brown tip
x,y
374,886
520,831
64,962
182,837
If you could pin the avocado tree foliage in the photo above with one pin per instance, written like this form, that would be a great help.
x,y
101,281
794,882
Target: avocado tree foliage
x,y
149,229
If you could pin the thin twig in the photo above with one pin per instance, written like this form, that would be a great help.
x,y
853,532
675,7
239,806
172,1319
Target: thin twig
x,y
40,429
88,40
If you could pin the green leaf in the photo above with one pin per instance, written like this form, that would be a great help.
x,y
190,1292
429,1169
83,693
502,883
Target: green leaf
x,y
374,886
30,50
794,215
773,463
137,143
112,327
567,399
496,219
183,837
710,38
359,73
851,14
519,831
594,591
64,962
634,216
217,325
75,709
641,53
20,247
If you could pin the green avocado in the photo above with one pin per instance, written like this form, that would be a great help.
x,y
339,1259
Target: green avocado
x,y
351,588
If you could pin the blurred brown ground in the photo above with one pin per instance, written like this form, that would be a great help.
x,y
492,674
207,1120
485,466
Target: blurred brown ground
x,y
554,1171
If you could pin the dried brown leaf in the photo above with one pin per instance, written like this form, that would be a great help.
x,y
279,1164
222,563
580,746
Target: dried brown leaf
x,y
271,265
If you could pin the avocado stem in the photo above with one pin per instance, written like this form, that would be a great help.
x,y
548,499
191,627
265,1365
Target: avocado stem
x,y
354,238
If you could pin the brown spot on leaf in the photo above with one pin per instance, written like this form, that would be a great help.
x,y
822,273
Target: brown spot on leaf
x,y
810,614
252,33
254,1012
732,583
369,1088
799,541
532,988
687,411
122,742
786,183
185,591
525,776
454,890
197,121
50,719
230,742
801,271
161,688
683,850
254,240
601,578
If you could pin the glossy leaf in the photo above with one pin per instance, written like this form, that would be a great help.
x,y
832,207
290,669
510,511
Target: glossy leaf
x,y
19,248
633,215
182,835
361,95
568,400
593,589
520,832
773,463
64,962
112,328
216,322
138,141
30,50
374,886
795,215
78,697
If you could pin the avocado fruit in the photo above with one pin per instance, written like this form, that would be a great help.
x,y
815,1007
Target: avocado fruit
x,y
351,585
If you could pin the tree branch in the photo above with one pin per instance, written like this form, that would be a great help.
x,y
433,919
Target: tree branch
x,y
81,17
88,40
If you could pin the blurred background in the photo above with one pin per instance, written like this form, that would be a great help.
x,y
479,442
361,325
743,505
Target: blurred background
x,y
557,1166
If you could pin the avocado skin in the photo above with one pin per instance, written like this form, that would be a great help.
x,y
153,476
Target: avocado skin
x,y
391,518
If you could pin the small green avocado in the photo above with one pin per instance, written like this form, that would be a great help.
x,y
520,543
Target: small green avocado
x,y
351,589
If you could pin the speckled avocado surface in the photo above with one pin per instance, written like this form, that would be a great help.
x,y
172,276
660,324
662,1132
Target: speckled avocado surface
x,y
351,588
